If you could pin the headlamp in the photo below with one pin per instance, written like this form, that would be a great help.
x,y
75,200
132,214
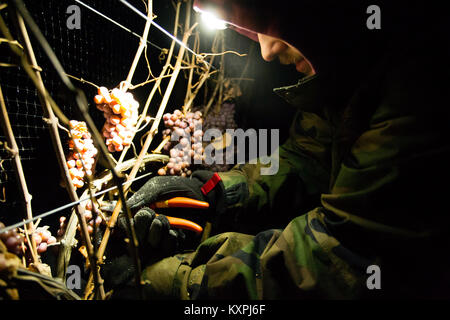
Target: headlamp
x,y
210,20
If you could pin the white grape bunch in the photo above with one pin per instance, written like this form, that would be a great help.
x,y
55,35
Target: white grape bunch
x,y
81,159
120,110
185,145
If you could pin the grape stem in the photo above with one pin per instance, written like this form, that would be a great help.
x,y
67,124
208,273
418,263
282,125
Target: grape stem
x,y
82,80
161,145
142,45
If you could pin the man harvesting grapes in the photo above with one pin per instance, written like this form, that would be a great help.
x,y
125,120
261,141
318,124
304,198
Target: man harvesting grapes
x,y
360,183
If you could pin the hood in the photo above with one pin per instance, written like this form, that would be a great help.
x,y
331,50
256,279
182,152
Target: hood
x,y
332,35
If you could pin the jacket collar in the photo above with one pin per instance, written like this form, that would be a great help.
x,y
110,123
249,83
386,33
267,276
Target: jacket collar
x,y
304,94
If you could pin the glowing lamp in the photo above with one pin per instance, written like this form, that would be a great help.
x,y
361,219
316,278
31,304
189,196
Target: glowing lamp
x,y
210,20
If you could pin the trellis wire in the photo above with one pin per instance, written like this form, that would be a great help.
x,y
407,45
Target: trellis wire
x,y
68,205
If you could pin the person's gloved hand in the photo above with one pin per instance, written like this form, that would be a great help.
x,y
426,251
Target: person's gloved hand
x,y
156,239
203,185
200,186
155,236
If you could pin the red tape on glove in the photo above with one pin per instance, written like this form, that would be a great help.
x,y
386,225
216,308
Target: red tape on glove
x,y
210,184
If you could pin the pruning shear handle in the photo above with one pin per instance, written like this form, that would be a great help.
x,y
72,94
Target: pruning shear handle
x,y
184,224
182,202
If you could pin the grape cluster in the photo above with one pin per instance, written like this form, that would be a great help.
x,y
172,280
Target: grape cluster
x,y
221,120
81,159
42,237
62,227
89,208
88,215
15,241
12,239
121,113
185,144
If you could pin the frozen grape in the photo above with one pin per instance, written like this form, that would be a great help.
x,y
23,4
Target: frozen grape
x,y
11,242
120,110
37,238
82,152
43,237
15,241
179,128
42,247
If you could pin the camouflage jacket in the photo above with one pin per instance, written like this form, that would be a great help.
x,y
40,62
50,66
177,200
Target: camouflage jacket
x,y
360,187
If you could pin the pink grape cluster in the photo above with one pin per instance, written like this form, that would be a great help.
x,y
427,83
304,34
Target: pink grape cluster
x,y
81,159
185,144
42,237
221,120
12,239
62,227
15,241
120,110
88,215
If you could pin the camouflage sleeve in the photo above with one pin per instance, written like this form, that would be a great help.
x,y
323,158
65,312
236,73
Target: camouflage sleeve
x,y
301,261
302,175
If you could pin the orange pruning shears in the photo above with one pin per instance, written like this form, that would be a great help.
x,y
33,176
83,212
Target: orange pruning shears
x,y
182,202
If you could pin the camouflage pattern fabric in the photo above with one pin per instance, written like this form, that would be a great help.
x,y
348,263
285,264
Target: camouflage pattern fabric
x,y
18,283
301,261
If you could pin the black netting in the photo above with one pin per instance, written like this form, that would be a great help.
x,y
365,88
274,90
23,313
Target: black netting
x,y
99,52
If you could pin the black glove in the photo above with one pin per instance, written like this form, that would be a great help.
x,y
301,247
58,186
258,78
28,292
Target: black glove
x,y
156,232
166,187
155,236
